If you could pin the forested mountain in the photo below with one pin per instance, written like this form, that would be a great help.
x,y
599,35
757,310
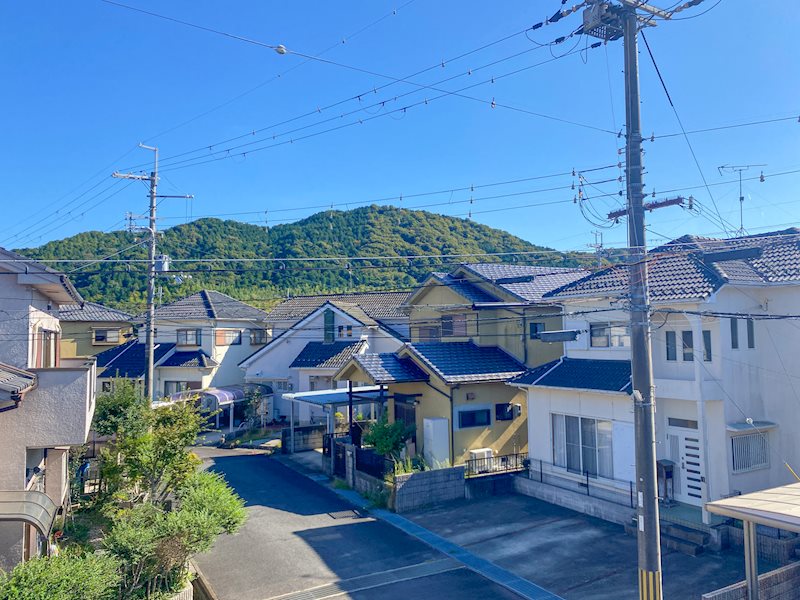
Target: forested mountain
x,y
211,245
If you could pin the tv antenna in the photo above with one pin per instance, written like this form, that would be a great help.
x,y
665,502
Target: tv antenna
x,y
739,169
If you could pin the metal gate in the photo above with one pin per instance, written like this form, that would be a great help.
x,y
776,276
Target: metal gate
x,y
339,460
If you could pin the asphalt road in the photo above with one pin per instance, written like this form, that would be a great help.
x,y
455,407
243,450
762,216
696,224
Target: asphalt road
x,y
301,537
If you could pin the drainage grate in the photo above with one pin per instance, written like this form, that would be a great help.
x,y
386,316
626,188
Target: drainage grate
x,y
347,514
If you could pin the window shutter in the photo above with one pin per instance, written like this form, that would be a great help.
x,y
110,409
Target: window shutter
x,y
328,317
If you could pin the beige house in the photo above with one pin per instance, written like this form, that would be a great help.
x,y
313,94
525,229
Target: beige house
x,y
46,406
88,329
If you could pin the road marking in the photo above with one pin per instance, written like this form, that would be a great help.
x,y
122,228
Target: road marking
x,y
373,580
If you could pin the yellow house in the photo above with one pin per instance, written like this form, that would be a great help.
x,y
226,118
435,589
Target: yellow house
x,y
90,328
471,330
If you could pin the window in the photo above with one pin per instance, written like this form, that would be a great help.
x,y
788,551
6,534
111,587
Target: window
x,y
734,333
672,345
685,423
749,452
688,345
345,331
751,334
534,329
46,349
405,412
428,334
504,412
189,337
582,445
105,336
173,387
105,387
227,337
706,345
610,335
454,326
258,337
474,418
328,325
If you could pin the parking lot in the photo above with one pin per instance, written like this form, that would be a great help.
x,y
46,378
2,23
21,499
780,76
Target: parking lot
x,y
570,554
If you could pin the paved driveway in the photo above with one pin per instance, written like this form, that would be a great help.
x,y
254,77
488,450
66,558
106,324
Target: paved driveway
x,y
571,554
300,536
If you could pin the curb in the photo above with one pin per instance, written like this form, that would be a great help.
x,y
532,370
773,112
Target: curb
x,y
202,587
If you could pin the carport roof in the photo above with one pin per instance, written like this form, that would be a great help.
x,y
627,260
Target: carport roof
x,y
775,507
339,397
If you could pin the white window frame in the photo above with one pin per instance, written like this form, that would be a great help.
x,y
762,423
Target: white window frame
x,y
561,454
749,452
613,337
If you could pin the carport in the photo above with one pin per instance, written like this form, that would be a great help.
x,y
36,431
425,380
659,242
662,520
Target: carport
x,y
776,507
330,400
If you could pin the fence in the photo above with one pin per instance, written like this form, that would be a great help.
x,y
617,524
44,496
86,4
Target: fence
x,y
618,491
371,463
496,464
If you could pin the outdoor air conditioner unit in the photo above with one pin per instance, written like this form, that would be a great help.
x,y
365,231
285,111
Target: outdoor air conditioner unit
x,y
480,454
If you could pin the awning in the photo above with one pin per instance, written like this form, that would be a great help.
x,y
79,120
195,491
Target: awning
x,y
35,508
340,397
223,395
753,426
776,507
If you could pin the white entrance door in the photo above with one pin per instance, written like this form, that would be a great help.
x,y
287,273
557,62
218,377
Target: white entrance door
x,y
686,451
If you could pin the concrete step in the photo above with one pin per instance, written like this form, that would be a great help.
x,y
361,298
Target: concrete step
x,y
685,533
670,542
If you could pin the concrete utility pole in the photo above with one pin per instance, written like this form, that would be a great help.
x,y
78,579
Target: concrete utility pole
x,y
149,380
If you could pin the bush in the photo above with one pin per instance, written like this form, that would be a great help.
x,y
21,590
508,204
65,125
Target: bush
x,y
387,439
66,577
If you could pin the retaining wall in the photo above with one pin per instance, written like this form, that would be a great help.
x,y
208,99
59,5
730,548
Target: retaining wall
x,y
416,490
771,548
780,584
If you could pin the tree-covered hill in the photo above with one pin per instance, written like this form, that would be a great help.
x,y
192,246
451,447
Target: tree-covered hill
x,y
212,245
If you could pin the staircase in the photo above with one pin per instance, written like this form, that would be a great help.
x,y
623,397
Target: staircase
x,y
677,537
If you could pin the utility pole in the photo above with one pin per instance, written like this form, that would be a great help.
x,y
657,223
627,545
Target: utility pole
x,y
149,383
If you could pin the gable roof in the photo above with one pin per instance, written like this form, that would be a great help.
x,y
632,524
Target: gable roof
x,y
188,358
465,362
209,304
51,283
580,373
319,355
692,267
526,282
377,305
128,359
389,368
91,312
463,287
16,381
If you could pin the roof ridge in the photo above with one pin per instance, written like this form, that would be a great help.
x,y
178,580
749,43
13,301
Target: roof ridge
x,y
207,300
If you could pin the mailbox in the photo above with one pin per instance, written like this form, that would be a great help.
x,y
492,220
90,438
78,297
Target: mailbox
x,y
666,481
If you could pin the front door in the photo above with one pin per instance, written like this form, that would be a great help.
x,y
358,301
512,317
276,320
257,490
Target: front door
x,y
687,453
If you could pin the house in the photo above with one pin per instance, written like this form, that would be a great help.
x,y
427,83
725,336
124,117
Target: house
x,y
471,330
306,355
46,405
199,341
90,328
725,363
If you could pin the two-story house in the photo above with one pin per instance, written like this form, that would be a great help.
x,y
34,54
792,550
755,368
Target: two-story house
x,y
305,355
471,330
90,328
46,405
725,363
199,342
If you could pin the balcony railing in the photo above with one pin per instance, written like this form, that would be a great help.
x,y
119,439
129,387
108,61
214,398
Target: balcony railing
x,y
504,463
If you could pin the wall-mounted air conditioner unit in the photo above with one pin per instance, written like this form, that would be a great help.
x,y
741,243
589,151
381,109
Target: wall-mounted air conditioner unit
x,y
480,453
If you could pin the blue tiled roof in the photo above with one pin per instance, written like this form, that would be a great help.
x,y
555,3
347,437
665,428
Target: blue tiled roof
x,y
319,355
189,358
390,368
465,362
128,359
580,373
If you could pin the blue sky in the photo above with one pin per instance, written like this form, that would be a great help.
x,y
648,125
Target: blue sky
x,y
87,81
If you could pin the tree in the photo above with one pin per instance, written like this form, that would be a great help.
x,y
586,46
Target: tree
x,y
65,577
387,439
120,411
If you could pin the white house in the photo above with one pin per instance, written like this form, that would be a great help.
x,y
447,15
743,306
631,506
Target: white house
x,y
725,361
46,405
306,355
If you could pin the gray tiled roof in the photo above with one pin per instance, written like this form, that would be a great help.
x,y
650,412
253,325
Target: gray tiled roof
x,y
128,359
91,312
528,283
14,380
464,288
378,305
319,355
692,267
390,368
465,362
189,358
209,304
580,373
355,311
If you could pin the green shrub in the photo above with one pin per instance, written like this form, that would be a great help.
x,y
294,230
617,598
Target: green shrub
x,y
65,577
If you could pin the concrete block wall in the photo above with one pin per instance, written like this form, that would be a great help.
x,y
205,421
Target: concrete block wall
x,y
367,484
416,490
773,549
582,503
780,584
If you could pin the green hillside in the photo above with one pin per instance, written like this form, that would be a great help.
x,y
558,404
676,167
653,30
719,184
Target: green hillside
x,y
374,231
